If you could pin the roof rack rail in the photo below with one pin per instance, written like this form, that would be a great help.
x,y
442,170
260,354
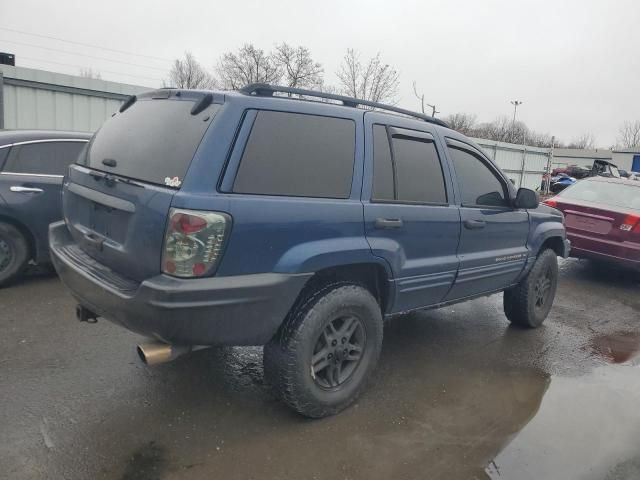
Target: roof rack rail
x,y
267,90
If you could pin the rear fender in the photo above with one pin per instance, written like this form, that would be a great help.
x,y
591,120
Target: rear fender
x,y
320,254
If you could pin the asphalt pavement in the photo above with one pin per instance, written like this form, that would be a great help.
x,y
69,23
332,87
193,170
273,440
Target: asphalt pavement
x,y
459,394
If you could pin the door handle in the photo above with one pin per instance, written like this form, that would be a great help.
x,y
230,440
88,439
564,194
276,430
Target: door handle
x,y
474,224
25,189
385,223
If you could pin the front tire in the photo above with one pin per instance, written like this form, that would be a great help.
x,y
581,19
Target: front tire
x,y
323,355
528,303
14,253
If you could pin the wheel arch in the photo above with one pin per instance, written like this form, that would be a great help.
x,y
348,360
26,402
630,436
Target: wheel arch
x,y
373,276
554,243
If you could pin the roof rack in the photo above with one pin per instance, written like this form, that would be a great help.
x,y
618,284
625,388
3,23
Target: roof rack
x,y
266,90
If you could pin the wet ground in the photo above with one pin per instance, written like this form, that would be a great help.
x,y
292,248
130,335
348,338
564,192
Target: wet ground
x,y
459,395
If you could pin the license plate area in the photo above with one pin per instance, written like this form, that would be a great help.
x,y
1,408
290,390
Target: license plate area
x,y
588,224
107,222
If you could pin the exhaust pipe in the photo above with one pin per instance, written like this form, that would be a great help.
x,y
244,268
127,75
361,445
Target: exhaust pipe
x,y
154,353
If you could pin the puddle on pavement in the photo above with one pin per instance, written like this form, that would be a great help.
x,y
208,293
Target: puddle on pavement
x,y
587,427
618,347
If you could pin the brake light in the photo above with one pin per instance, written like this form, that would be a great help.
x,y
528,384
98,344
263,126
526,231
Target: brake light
x,y
631,222
551,202
193,242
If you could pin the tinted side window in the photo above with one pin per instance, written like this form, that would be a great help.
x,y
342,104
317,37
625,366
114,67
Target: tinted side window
x,y
382,166
298,155
419,174
47,158
478,184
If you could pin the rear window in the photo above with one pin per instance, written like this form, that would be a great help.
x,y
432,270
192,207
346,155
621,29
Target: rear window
x,y
298,155
608,193
152,141
43,158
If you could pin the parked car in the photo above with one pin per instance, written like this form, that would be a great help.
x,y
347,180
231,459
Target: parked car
x,y
32,164
258,218
604,169
560,182
602,217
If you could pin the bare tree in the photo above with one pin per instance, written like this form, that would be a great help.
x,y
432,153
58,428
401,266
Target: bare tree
x,y
586,141
89,73
248,65
188,73
372,80
464,123
503,129
297,67
629,134
536,139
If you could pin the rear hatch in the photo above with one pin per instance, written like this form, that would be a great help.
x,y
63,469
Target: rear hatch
x,y
117,197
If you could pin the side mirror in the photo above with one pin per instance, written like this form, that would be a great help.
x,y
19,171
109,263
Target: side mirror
x,y
526,198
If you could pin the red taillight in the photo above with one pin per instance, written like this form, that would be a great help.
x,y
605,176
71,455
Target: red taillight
x,y
193,242
187,223
631,223
551,202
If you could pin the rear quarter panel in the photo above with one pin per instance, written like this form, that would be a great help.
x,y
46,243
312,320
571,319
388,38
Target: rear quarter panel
x,y
273,233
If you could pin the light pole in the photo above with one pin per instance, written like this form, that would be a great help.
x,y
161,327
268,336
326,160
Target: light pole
x,y
515,104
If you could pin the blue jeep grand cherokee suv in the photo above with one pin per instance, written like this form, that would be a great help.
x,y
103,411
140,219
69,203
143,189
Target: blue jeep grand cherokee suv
x,y
260,217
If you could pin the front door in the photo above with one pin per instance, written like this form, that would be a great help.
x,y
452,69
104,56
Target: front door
x,y
410,218
493,241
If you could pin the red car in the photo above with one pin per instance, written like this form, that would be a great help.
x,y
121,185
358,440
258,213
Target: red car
x,y
602,218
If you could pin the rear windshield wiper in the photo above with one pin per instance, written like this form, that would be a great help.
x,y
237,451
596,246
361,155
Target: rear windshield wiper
x,y
110,179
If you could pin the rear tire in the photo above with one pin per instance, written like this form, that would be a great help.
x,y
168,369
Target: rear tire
x,y
528,303
324,353
14,253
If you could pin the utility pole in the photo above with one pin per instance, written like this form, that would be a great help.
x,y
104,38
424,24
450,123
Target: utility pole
x,y
420,96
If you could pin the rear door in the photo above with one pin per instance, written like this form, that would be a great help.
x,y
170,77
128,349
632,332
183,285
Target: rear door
x,y
410,219
118,196
31,180
493,241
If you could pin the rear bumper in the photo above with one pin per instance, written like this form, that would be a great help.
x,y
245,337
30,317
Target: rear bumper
x,y
237,310
624,254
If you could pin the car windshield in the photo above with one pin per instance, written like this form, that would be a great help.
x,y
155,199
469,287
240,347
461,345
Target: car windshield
x,y
609,193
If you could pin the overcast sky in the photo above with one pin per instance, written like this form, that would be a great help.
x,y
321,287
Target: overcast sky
x,y
575,64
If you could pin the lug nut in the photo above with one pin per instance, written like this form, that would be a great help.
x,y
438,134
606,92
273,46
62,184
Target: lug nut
x,y
344,339
334,343
330,356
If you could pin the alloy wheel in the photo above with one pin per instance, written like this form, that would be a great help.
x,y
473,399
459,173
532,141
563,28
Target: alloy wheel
x,y
338,352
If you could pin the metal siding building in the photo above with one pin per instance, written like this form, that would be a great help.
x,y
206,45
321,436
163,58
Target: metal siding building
x,y
31,98
627,159
523,164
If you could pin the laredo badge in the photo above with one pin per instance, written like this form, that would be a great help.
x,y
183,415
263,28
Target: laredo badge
x,y
172,182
